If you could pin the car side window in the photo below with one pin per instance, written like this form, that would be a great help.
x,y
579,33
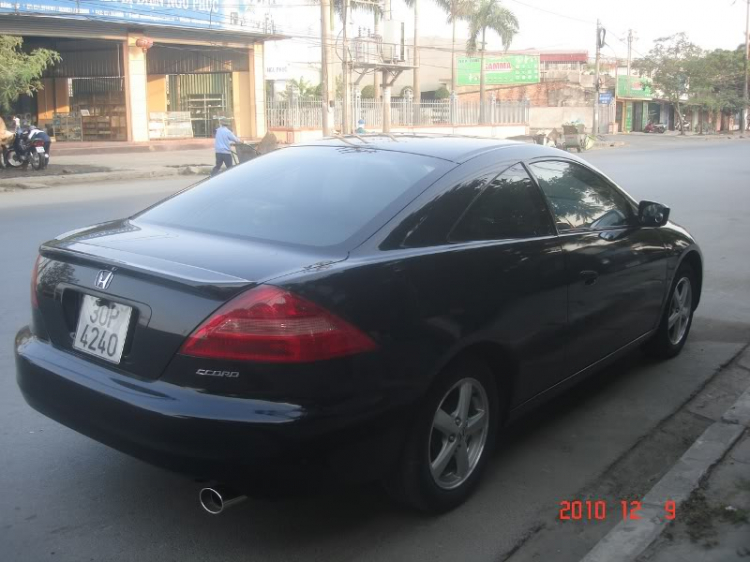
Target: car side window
x,y
581,199
430,224
509,207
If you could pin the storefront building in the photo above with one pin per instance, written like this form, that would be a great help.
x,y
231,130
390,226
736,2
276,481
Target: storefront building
x,y
634,110
146,70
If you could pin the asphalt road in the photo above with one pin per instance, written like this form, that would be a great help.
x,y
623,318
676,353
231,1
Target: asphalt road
x,y
67,498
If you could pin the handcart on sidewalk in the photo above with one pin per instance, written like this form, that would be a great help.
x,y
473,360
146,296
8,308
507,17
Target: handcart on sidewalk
x,y
245,151
574,136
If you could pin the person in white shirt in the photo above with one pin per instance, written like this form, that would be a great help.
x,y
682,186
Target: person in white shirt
x,y
223,148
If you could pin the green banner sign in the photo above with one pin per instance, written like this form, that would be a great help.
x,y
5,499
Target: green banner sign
x,y
640,88
508,69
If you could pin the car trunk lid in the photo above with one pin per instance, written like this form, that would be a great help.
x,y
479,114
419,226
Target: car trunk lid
x,y
171,278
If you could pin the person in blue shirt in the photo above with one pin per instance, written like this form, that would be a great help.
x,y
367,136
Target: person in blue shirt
x,y
223,148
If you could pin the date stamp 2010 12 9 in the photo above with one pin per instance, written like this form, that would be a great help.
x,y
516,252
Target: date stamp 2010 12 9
x,y
596,510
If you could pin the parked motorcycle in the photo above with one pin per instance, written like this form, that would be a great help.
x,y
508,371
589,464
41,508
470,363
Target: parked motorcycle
x,y
654,128
29,147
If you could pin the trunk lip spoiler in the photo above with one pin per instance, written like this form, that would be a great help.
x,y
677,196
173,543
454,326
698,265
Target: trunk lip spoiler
x,y
152,266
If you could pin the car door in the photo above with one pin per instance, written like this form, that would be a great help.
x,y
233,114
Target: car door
x,y
486,267
615,268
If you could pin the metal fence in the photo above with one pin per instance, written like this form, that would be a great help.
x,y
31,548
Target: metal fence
x,y
307,113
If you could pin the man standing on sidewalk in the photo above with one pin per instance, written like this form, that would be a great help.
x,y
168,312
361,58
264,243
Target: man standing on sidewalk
x,y
223,147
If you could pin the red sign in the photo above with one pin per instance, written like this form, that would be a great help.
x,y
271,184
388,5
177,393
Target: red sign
x,y
498,66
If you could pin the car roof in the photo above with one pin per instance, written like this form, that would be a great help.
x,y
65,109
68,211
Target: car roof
x,y
456,148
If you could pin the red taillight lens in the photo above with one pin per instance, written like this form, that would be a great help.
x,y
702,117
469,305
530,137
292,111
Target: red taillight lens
x,y
34,278
268,324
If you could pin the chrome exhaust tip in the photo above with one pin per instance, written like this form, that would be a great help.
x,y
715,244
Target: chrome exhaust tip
x,y
216,499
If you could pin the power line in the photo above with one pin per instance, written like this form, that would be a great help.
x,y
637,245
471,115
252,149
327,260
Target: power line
x,y
589,22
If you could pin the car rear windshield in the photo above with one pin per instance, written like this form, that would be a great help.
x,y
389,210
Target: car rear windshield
x,y
311,196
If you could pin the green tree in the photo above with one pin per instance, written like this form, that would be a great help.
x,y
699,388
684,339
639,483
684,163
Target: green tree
x,y
368,92
456,10
670,64
20,72
716,81
488,15
442,93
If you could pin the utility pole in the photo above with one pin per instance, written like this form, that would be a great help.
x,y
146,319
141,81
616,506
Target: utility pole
x,y
325,34
386,79
747,55
453,45
627,94
376,75
345,109
416,88
630,54
596,78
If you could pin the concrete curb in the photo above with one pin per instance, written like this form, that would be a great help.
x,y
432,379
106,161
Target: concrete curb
x,y
609,144
103,177
628,539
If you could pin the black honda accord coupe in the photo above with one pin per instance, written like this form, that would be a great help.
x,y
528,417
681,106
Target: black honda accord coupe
x,y
367,308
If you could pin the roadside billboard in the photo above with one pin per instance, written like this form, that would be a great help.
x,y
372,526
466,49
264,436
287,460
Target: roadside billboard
x,y
229,15
639,88
506,69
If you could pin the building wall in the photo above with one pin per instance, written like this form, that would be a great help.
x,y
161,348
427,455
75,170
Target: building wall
x,y
136,96
257,70
491,131
544,94
156,89
45,101
242,95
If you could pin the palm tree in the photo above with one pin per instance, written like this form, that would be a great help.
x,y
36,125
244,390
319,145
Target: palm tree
x,y
456,10
304,89
489,15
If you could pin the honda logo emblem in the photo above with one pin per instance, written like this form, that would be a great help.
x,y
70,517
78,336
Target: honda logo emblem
x,y
103,279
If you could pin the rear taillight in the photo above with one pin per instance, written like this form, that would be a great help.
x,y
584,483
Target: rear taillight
x,y
270,325
34,278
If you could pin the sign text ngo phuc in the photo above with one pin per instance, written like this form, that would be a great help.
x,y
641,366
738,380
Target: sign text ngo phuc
x,y
507,69
235,15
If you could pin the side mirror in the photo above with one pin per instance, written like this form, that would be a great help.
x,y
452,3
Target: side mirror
x,y
652,214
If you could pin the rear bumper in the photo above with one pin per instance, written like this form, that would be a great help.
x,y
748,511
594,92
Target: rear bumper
x,y
204,435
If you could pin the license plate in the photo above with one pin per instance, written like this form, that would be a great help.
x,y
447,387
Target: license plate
x,y
39,149
102,328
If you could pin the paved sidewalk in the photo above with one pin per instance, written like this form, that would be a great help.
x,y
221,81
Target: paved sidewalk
x,y
116,167
714,524
700,509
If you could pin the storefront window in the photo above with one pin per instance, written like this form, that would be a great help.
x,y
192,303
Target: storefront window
x,y
207,97
100,102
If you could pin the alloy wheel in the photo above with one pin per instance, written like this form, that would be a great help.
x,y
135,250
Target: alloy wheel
x,y
458,434
680,308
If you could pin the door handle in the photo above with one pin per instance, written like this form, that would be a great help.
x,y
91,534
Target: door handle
x,y
589,276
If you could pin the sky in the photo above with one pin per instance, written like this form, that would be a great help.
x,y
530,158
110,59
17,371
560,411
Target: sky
x,y
562,24
550,24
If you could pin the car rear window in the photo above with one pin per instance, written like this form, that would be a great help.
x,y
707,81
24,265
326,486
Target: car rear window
x,y
312,196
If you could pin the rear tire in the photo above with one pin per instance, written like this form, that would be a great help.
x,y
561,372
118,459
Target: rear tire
x,y
37,160
450,441
677,318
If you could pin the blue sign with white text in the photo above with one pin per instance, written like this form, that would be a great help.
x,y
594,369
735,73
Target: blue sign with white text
x,y
226,15
605,98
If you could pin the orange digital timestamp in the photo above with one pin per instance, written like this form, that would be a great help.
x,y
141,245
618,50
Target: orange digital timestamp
x,y
597,510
